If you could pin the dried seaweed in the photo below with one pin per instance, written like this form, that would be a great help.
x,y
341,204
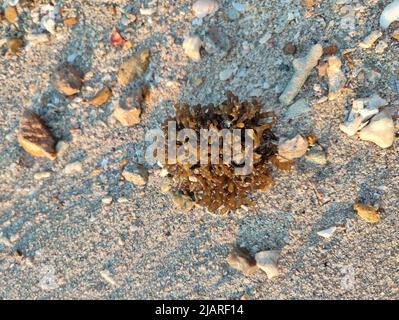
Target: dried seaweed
x,y
217,186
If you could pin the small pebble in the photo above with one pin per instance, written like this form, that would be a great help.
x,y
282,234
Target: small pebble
x,y
327,233
68,80
73,168
106,200
42,175
367,213
202,8
136,174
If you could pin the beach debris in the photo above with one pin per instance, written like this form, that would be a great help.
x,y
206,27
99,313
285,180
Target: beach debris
x,y
362,111
68,80
240,259
128,112
380,130
136,174
292,148
367,212
330,50
134,67
395,34
302,68
389,14
35,137
202,8
37,38
267,261
369,41
192,46
381,47
327,233
336,78
100,98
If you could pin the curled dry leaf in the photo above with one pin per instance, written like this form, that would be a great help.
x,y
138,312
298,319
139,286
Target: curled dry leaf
x,y
367,212
35,137
11,14
116,39
101,97
69,22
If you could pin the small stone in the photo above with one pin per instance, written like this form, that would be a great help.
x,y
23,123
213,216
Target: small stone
x,y
327,233
267,262
68,80
293,148
42,175
227,73
317,156
217,42
367,213
134,67
37,38
147,11
106,200
192,46
182,201
73,168
240,259
61,147
381,46
123,200
202,8
298,109
289,48
11,14
136,174
129,112
35,137
380,130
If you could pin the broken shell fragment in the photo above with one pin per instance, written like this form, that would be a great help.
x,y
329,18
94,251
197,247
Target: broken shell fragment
x,y
293,148
101,97
192,46
35,137
68,80
336,78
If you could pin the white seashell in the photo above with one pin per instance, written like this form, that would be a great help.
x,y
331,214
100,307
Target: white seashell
x,y
192,46
390,14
